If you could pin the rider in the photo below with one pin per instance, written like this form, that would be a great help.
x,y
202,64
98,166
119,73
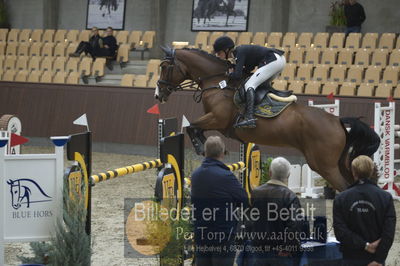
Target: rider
x,y
270,63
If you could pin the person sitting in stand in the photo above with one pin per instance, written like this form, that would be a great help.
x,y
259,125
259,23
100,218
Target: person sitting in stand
x,y
108,44
270,63
89,47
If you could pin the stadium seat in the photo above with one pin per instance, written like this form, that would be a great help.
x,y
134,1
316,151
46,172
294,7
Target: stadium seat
x,y
244,38
73,78
59,50
312,87
127,80
280,85
391,75
23,49
134,39
337,40
59,36
152,68
259,38
21,76
373,75
36,36
330,87
297,86
59,64
321,40
366,90
345,57
123,54
2,48
362,57
13,35
11,48
396,93
338,73
201,40
387,41
398,43
48,49
233,35
24,35
153,82
304,40
321,73
304,72
383,90
288,73
369,40
22,63
48,36
85,66
274,39
289,40
312,56
379,57
353,40
9,75
9,62
34,76
1,63
60,77
140,81
394,59
34,63
328,56
296,56
98,67
47,63
46,77
3,35
84,36
355,74
36,49
71,48
72,65
347,89
122,37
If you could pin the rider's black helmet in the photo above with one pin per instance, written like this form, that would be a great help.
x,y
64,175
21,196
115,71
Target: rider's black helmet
x,y
223,43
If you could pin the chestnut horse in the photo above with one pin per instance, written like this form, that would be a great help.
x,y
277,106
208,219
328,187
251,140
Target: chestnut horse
x,y
320,136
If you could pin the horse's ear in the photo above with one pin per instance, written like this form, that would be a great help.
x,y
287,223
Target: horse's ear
x,y
165,49
9,182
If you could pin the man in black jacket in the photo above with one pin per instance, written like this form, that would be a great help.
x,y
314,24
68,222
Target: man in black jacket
x,y
215,193
364,218
108,44
355,16
276,235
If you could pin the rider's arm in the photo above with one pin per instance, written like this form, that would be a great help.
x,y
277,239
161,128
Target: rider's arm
x,y
238,71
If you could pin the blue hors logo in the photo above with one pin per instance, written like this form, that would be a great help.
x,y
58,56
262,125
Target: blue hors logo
x,y
26,191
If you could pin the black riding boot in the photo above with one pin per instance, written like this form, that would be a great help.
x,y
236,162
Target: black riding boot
x,y
249,120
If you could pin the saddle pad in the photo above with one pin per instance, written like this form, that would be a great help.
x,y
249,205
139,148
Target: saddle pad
x,y
268,107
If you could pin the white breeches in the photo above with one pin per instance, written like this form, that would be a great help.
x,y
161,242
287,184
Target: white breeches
x,y
266,72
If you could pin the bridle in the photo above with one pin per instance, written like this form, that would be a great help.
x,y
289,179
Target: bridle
x,y
171,87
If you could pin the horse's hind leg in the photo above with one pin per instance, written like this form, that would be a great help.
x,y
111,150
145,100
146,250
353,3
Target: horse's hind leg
x,y
197,138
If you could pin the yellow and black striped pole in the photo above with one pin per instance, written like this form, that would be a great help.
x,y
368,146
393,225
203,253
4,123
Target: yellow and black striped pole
x,y
125,171
236,166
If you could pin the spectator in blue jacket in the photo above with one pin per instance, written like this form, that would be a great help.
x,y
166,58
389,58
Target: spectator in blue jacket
x,y
216,194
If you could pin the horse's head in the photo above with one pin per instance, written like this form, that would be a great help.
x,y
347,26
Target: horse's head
x,y
171,76
15,193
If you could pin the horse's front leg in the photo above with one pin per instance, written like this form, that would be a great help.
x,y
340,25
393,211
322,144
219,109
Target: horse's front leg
x,y
197,128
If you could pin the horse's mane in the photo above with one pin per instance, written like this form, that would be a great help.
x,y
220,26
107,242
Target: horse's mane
x,y
211,56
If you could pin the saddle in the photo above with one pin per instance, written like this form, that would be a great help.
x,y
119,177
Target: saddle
x,y
268,101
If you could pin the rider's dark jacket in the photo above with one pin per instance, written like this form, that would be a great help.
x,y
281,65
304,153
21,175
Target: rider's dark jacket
x,y
364,213
250,56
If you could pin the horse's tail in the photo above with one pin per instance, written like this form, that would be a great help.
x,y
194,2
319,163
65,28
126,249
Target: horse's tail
x,y
360,140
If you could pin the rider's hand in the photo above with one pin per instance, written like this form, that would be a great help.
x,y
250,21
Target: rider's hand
x,y
230,70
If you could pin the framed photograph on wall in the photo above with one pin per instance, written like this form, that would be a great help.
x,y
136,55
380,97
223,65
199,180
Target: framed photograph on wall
x,y
220,15
106,13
